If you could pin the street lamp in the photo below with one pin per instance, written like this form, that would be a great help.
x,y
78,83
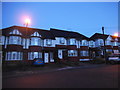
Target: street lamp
x,y
104,52
115,34
27,22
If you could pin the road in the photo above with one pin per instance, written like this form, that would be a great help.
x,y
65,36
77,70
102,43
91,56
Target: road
x,y
96,77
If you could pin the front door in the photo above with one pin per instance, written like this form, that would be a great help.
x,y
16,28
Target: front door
x,y
46,57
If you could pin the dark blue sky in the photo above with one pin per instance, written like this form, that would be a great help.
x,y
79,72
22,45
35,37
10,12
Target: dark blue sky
x,y
86,18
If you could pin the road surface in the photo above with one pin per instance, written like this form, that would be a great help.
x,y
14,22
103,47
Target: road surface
x,y
104,76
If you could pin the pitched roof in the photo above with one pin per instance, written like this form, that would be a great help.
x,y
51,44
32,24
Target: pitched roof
x,y
28,31
98,36
67,34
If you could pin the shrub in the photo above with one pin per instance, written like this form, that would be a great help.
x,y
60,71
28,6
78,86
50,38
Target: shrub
x,y
98,60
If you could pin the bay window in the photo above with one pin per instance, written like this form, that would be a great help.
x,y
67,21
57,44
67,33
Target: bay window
x,y
84,43
91,44
32,55
72,52
35,41
115,43
48,42
14,55
15,40
99,42
72,41
62,40
84,53
2,40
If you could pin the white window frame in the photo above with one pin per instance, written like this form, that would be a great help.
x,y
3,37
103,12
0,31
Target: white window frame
x,y
62,40
84,43
15,31
15,40
72,41
36,34
72,53
14,55
2,40
84,53
91,44
35,41
48,42
32,55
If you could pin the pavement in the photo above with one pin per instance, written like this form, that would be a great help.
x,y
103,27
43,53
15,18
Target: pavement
x,y
46,68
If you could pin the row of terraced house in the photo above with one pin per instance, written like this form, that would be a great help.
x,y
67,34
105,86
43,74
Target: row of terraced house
x,y
24,43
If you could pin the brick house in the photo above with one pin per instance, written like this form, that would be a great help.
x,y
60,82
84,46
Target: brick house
x,y
24,43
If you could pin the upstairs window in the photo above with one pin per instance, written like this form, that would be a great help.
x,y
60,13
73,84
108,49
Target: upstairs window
x,y
36,34
115,43
48,42
84,43
15,31
72,52
108,41
99,42
35,41
92,44
15,40
2,40
62,40
72,41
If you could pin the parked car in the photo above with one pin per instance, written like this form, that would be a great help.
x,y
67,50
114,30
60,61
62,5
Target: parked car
x,y
38,62
114,59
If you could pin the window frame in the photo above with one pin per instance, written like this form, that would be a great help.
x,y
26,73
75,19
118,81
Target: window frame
x,y
72,53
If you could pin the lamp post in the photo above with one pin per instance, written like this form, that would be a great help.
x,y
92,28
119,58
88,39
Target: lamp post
x,y
104,48
27,22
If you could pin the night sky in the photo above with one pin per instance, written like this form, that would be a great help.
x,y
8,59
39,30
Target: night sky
x,y
86,18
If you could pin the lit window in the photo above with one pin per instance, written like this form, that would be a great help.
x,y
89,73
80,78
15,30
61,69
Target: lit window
x,y
84,43
15,40
33,55
35,41
14,56
72,41
15,32
115,43
36,34
62,40
84,53
48,42
116,51
72,52
99,42
92,44
2,40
